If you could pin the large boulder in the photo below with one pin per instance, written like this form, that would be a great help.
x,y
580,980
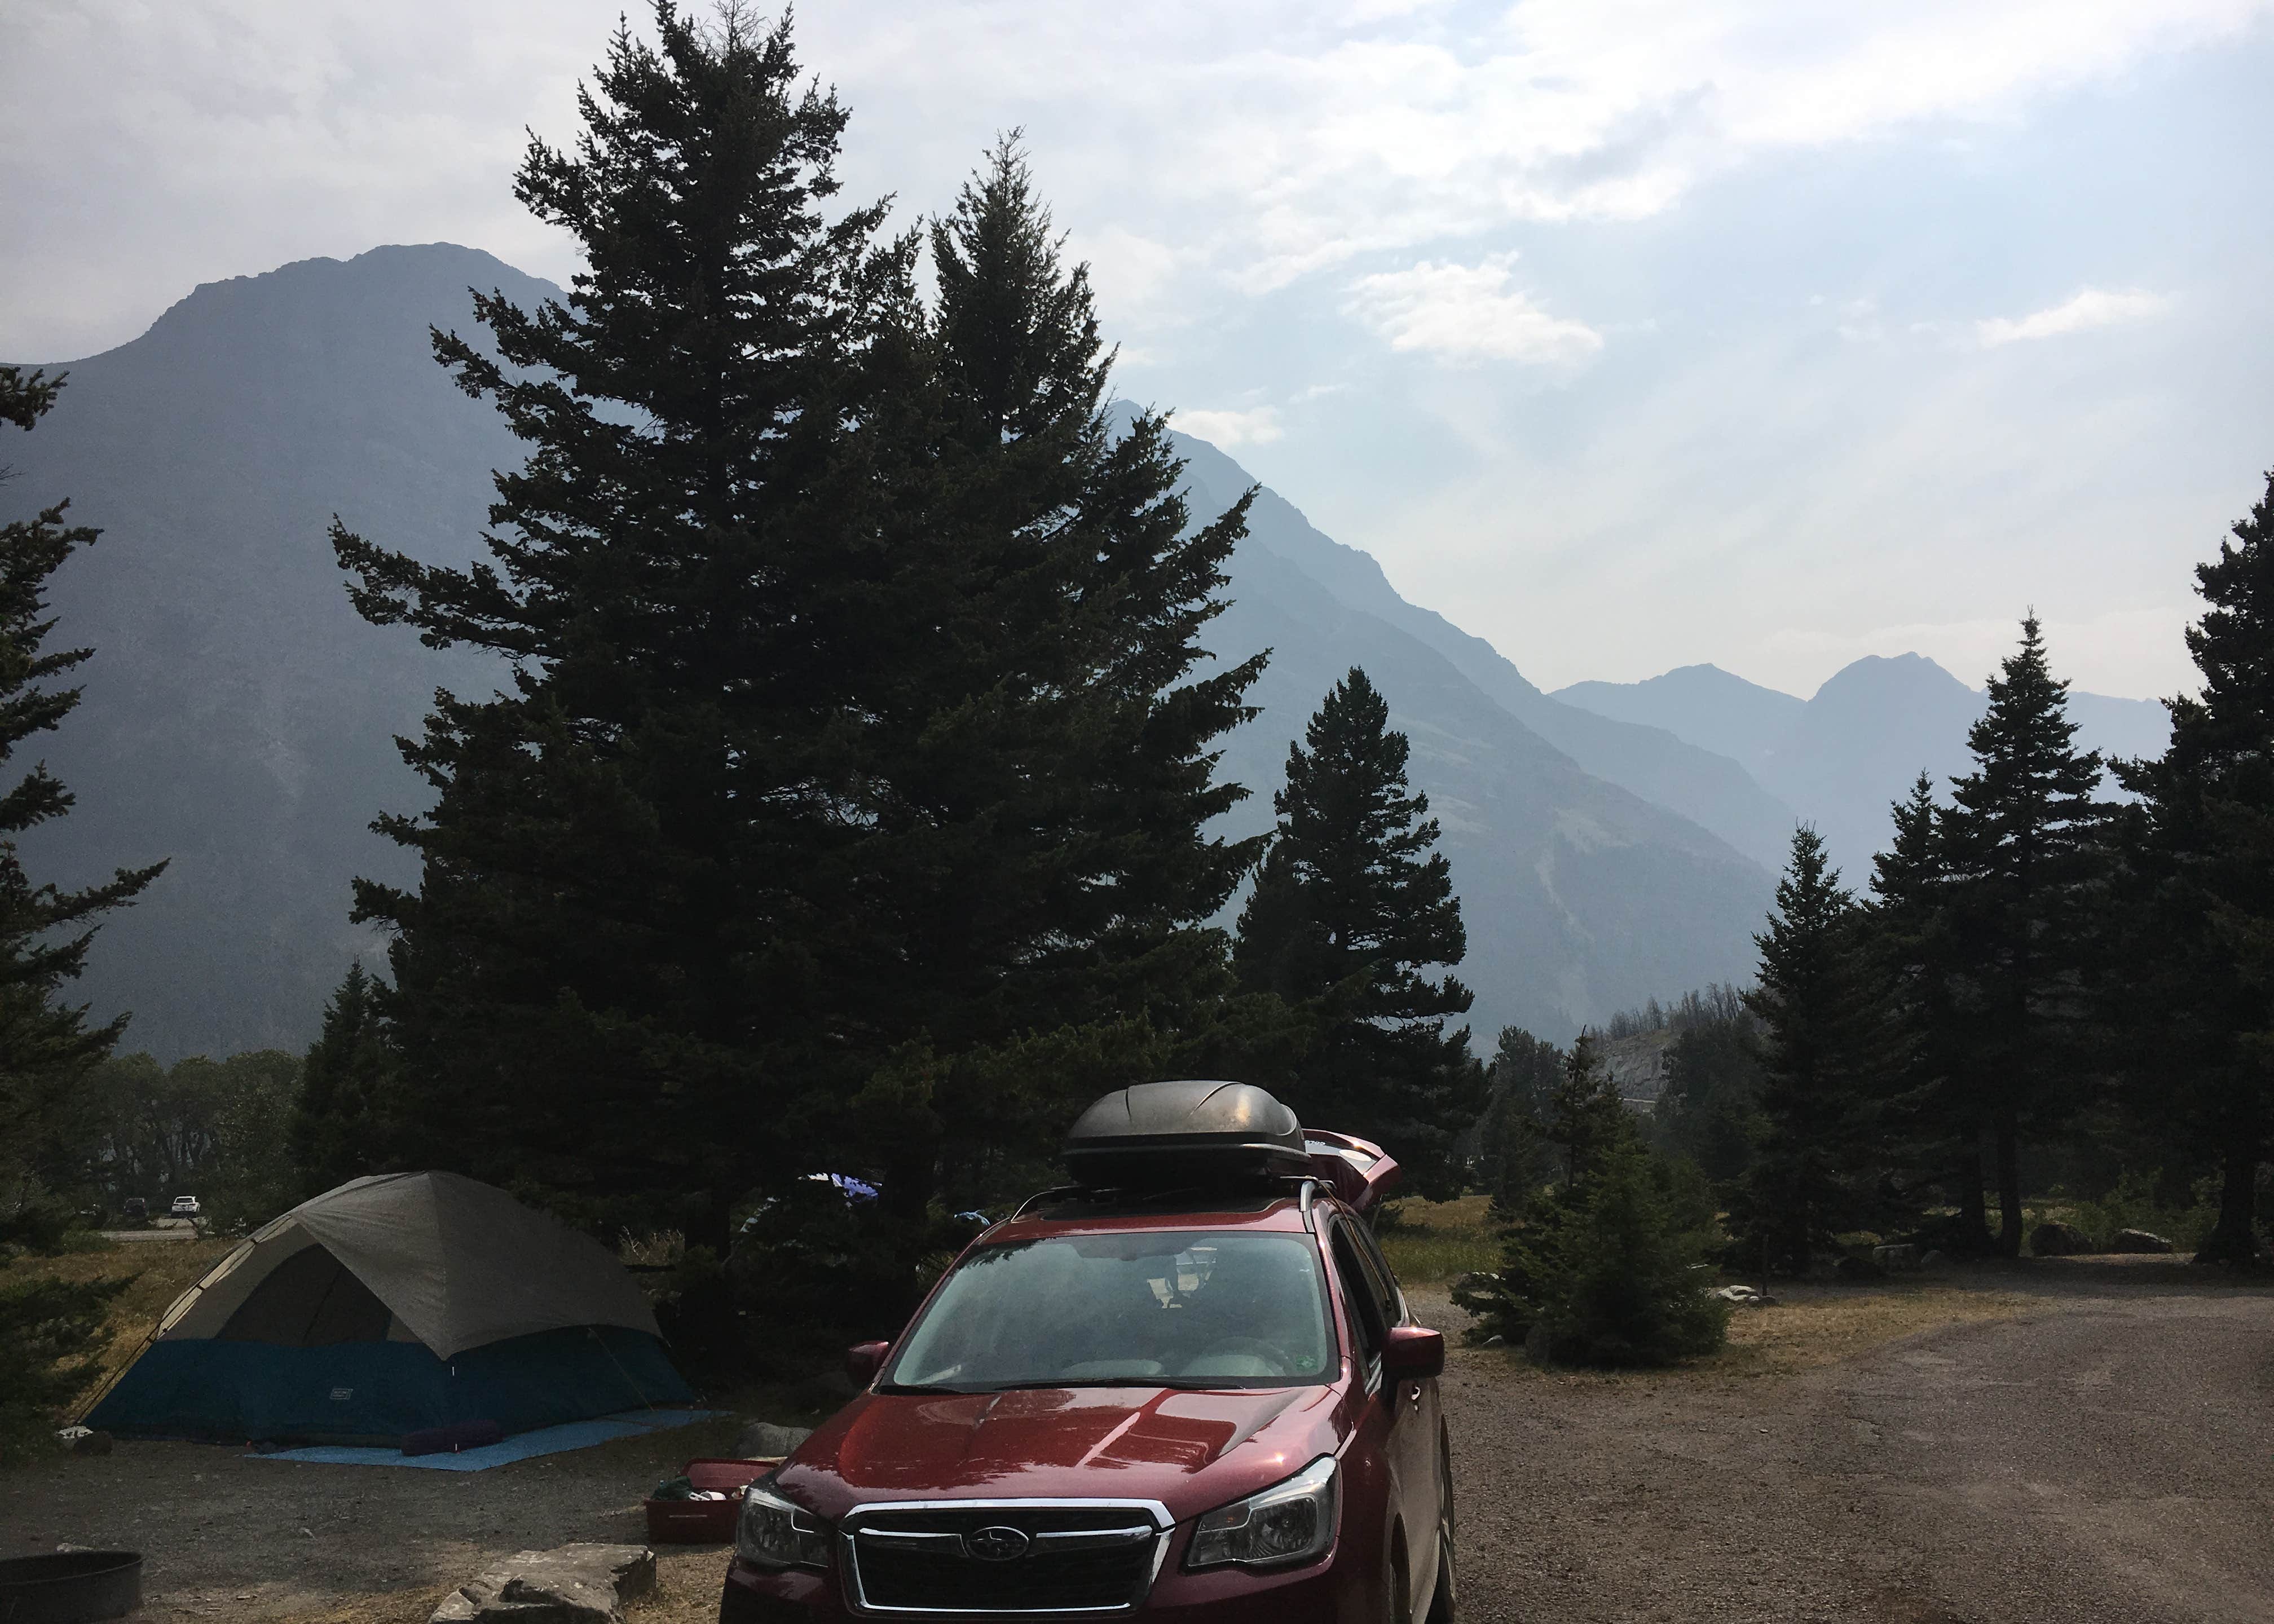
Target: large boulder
x,y
2056,1239
2138,1240
575,1584
1858,1269
1902,1257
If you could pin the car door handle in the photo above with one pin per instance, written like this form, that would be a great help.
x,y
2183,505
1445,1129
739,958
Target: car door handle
x,y
1413,1394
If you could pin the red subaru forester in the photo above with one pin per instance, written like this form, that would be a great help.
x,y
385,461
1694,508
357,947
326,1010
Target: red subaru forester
x,y
1186,1388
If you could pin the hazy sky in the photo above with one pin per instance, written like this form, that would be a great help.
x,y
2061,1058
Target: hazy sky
x,y
1626,335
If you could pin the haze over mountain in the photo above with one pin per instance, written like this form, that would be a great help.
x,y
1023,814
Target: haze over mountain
x,y
239,716
1840,757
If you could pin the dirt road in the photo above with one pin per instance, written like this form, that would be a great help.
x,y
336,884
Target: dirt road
x,y
2105,1458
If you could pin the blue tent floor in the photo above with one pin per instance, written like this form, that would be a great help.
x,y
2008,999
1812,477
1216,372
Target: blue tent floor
x,y
520,1447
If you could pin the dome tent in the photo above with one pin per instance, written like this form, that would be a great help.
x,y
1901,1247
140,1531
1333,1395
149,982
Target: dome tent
x,y
390,1305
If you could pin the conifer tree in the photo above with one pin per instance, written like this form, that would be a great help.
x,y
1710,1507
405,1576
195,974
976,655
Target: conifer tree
x,y
1352,906
1039,760
1824,1052
2023,843
47,1046
1932,1118
2197,981
339,1129
616,966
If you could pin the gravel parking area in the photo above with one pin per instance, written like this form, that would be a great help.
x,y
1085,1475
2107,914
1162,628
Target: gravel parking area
x,y
2101,1451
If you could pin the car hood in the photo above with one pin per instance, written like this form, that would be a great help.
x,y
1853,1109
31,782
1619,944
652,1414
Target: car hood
x,y
1190,1451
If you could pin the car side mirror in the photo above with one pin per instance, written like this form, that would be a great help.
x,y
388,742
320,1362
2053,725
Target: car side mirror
x,y
863,1360
1414,1353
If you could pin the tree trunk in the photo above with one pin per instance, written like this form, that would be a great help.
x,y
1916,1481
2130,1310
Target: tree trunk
x,y
1973,1212
2009,1184
2233,1239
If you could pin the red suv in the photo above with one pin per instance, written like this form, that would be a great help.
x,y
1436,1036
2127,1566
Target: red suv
x,y
1186,1388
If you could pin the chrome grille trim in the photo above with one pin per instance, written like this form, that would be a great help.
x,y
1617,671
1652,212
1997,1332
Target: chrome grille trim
x,y
851,1534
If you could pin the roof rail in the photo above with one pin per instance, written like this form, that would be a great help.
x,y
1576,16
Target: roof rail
x,y
1042,1195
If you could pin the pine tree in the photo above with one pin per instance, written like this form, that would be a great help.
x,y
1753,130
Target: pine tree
x,y
1512,1161
339,1129
2198,958
1600,1267
1039,758
2023,839
633,882
1350,907
1932,1121
47,1047
1824,1052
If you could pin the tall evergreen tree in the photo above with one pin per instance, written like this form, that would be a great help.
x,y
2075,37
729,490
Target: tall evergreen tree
x,y
2023,847
47,1046
2197,979
1512,1160
617,962
1825,1047
1039,759
1933,1122
1352,906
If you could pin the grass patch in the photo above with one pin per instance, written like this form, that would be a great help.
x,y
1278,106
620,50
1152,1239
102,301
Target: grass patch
x,y
1433,1241
1814,1325
160,1272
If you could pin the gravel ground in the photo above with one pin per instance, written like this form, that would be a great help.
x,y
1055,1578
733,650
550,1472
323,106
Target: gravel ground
x,y
2104,1456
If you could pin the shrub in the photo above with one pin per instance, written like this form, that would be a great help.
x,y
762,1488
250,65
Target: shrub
x,y
1619,1282
49,1332
1611,1276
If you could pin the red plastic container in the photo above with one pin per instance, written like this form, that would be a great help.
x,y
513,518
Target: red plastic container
x,y
705,1522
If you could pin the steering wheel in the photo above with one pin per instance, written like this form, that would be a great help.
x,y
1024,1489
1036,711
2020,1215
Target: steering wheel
x,y
1256,1347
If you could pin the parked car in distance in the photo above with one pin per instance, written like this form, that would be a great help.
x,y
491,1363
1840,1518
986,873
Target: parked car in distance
x,y
184,1206
135,1208
1186,1387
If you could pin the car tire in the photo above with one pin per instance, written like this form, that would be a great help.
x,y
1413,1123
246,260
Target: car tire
x,y
1444,1600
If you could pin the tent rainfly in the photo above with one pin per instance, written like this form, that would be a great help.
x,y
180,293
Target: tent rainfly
x,y
390,1305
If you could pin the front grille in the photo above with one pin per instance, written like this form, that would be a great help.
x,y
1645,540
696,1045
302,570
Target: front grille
x,y
1075,1557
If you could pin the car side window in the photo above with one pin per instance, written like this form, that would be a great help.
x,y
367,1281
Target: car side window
x,y
1361,1301
1392,1299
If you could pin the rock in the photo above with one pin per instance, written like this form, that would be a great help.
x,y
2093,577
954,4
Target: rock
x,y
762,1441
2055,1239
2138,1240
1932,1259
1750,1296
575,1584
1858,1268
1903,1258
99,1443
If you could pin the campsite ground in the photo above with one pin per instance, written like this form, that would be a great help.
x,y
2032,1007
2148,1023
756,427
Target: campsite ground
x,y
2064,1440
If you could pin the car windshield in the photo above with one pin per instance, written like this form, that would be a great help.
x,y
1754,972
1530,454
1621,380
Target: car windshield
x,y
1184,1308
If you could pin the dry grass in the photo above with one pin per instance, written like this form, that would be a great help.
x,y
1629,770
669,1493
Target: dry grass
x,y
1813,1326
1434,1241
160,1272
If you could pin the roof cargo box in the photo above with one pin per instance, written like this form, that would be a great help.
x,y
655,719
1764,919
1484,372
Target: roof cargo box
x,y
1163,1136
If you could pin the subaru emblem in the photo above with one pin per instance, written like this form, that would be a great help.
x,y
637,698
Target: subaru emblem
x,y
996,1544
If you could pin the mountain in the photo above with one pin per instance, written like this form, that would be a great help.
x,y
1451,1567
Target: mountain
x,y
1843,755
1644,756
239,716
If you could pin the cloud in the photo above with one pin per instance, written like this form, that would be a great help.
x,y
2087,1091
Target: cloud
x,y
1258,426
2091,309
1238,148
1466,313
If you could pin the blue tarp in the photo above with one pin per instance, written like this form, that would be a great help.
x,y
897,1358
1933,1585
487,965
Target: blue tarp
x,y
521,1446
375,1392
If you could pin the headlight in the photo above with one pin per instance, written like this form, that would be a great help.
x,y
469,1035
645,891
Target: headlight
x,y
1290,1522
774,1533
